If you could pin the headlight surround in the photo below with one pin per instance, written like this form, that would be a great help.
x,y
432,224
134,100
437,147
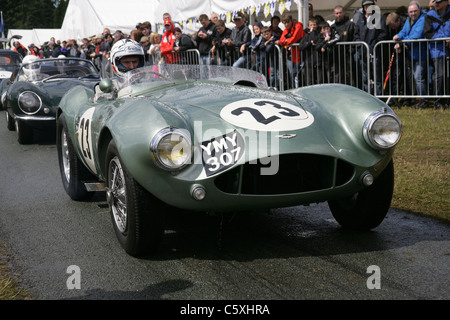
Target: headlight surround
x,y
171,148
382,130
29,102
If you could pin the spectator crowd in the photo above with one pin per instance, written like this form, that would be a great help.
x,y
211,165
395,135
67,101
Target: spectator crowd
x,y
317,53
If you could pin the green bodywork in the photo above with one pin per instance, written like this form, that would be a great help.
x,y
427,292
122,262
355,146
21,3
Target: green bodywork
x,y
132,121
50,94
49,91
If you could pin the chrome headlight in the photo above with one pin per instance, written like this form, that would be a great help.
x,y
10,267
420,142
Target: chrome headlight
x,y
382,130
171,148
29,102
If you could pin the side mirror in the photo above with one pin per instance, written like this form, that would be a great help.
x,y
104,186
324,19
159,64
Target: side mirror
x,y
106,85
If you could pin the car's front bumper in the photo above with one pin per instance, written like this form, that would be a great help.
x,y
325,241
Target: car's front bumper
x,y
321,180
37,121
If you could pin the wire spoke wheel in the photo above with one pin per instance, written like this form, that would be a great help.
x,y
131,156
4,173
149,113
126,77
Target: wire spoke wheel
x,y
116,195
136,214
65,156
73,172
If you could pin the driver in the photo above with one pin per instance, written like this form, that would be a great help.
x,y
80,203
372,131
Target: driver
x,y
31,70
126,55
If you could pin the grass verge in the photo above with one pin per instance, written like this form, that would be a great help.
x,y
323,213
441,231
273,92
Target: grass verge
x,y
422,163
9,287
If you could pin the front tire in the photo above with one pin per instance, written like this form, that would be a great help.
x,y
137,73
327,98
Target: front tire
x,y
73,172
137,215
365,210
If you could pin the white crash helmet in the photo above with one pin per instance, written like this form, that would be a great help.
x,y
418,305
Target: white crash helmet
x,y
30,68
124,48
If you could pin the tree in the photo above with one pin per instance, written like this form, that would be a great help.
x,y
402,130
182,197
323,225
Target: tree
x,y
33,14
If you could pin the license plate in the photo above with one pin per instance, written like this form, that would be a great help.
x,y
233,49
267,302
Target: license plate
x,y
221,153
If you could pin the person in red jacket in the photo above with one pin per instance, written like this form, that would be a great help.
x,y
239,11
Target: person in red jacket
x,y
167,42
20,48
292,34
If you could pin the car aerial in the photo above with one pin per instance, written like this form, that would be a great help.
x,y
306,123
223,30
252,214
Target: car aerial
x,y
212,138
33,92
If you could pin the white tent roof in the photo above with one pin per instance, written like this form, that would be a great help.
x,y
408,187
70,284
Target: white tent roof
x,y
43,35
27,36
325,7
35,36
184,10
85,18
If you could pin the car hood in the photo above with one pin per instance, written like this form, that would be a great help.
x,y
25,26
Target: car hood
x,y
288,121
55,89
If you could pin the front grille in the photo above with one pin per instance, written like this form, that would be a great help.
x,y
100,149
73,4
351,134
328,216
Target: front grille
x,y
296,173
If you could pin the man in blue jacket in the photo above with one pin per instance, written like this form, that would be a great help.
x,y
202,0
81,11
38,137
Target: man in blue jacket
x,y
437,25
413,29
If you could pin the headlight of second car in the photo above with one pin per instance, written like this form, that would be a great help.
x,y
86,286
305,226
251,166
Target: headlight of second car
x,y
382,130
29,102
171,148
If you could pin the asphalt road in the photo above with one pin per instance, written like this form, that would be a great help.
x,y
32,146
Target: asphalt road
x,y
63,249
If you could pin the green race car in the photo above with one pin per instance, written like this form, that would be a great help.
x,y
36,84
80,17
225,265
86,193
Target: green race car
x,y
33,92
211,138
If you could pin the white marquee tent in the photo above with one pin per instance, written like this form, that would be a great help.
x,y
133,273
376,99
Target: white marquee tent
x,y
27,35
35,36
85,18
188,9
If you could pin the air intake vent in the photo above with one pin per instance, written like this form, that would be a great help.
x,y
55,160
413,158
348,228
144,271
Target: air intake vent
x,y
296,173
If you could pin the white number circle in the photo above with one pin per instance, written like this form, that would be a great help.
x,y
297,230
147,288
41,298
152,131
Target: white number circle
x,y
85,138
266,115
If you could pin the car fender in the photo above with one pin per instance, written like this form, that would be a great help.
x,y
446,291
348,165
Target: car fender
x,y
341,112
133,126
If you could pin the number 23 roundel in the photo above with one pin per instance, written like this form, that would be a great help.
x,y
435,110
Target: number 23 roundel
x,y
266,115
85,138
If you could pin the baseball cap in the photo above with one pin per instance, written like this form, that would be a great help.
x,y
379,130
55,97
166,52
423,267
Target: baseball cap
x,y
364,2
238,16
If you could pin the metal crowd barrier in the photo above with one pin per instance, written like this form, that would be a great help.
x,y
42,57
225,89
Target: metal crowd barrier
x,y
385,72
191,56
289,67
411,70
345,63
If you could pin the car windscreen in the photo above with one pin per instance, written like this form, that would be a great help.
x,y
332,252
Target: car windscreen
x,y
9,62
180,72
45,69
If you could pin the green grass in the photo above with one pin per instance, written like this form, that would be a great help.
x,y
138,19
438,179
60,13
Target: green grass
x,y
422,163
9,286
422,177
